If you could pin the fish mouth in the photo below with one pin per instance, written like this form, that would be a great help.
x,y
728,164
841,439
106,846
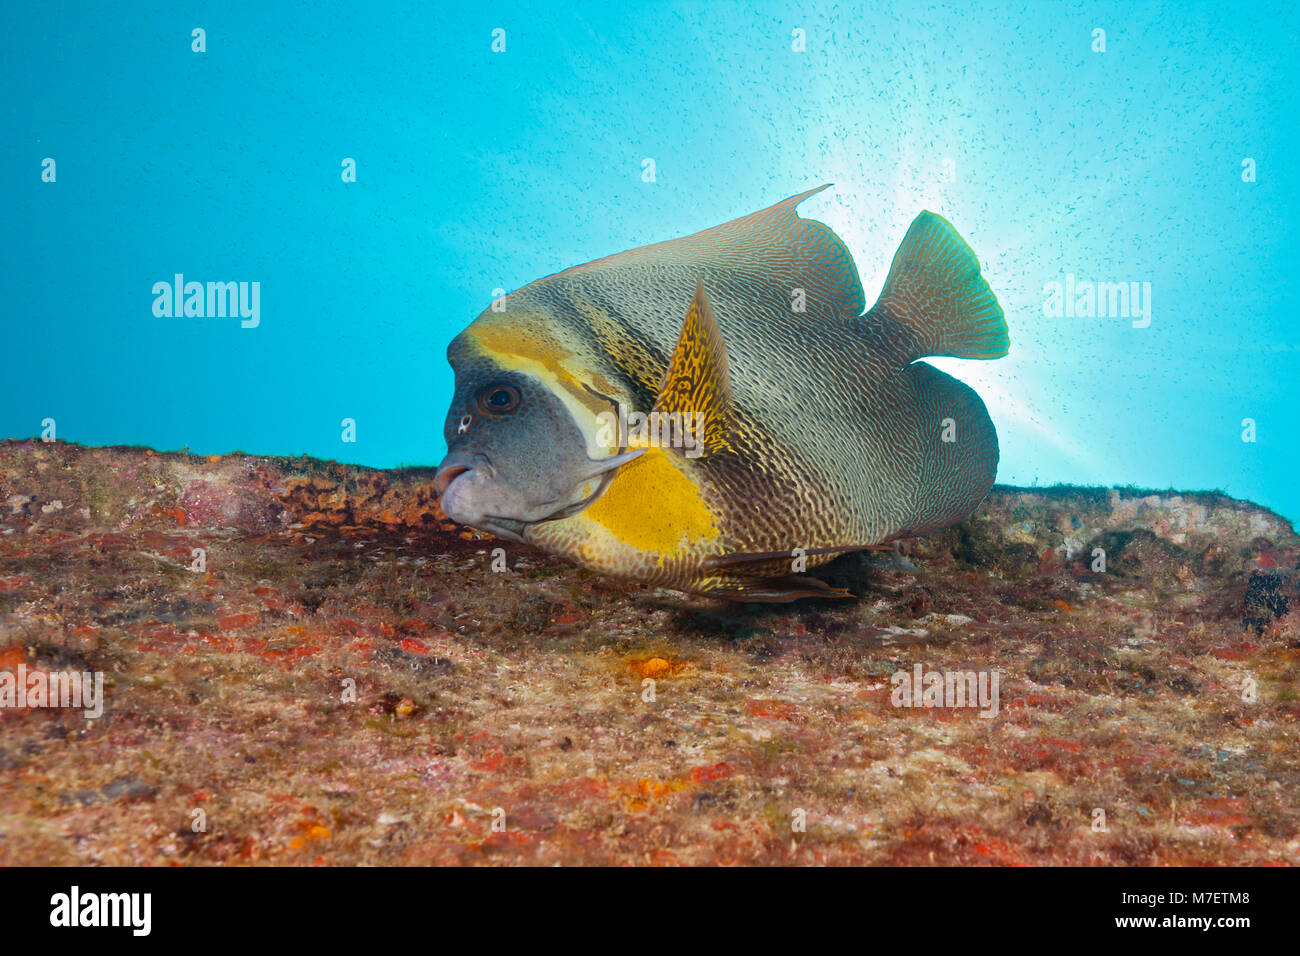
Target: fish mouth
x,y
453,477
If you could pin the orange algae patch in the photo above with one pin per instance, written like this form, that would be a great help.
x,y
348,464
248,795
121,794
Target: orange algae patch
x,y
654,667
638,796
312,832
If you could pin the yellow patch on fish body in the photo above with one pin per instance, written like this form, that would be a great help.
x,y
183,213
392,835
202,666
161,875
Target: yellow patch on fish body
x,y
653,507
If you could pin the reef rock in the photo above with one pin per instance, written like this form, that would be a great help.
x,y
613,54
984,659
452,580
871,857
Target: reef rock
x,y
304,662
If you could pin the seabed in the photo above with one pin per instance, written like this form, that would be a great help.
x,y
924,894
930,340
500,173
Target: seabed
x,y
306,663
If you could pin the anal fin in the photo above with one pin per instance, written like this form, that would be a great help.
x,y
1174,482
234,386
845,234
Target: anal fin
x,y
775,590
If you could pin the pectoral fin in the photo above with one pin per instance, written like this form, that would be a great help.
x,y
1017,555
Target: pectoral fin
x,y
697,385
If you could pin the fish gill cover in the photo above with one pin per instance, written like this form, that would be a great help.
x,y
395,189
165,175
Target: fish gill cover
x,y
689,553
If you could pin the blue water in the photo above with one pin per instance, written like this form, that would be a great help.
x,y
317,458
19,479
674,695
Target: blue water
x,y
478,170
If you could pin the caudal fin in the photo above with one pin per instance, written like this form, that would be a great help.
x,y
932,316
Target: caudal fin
x,y
935,302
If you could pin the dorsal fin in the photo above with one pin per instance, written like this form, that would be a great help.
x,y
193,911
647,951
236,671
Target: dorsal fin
x,y
937,299
774,246
697,382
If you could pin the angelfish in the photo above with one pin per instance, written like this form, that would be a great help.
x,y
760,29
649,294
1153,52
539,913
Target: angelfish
x,y
790,424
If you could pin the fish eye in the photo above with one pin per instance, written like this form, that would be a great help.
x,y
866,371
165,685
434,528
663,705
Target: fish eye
x,y
497,399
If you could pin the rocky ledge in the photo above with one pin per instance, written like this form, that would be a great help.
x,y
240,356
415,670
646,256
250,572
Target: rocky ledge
x,y
305,663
